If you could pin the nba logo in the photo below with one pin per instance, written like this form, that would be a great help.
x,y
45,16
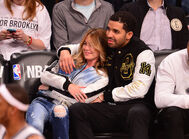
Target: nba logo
x,y
16,72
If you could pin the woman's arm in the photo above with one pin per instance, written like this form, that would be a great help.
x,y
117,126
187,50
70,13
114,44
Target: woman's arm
x,y
31,42
95,90
51,77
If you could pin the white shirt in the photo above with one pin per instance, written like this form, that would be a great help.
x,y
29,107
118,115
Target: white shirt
x,y
156,31
86,10
39,28
173,81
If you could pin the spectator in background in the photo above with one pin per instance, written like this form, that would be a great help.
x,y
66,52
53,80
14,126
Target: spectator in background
x,y
159,25
172,94
13,105
30,26
72,18
59,90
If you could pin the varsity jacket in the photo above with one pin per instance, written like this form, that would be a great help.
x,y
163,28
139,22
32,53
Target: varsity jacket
x,y
69,25
179,37
131,71
59,81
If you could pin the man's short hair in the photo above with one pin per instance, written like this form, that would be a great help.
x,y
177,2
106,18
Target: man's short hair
x,y
18,92
128,20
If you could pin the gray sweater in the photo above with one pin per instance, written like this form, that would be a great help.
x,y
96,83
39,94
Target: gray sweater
x,y
69,25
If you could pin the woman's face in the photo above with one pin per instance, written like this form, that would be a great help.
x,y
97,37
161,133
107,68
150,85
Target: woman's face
x,y
19,2
90,54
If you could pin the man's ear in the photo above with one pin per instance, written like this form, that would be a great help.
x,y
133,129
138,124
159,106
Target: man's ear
x,y
129,35
12,110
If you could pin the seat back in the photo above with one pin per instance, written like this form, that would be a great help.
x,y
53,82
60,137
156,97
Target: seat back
x,y
26,67
3,70
161,54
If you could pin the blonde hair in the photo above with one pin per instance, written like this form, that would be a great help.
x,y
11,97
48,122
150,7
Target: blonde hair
x,y
99,43
30,8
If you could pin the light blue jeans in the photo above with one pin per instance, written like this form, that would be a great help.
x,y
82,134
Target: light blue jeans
x,y
42,111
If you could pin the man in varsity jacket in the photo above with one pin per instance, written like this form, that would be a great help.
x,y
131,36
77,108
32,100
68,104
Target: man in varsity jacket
x,y
126,106
159,25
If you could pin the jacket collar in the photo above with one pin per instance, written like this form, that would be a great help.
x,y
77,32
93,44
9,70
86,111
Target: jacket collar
x,y
97,5
126,47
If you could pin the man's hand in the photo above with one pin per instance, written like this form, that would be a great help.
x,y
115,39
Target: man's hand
x,y
76,92
66,61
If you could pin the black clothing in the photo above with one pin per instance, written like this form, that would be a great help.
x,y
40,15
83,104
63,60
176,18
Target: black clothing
x,y
140,8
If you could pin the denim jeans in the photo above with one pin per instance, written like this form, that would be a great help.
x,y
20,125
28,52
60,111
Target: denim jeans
x,y
41,111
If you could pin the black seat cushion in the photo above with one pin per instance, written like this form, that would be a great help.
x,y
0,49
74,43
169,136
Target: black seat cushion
x,y
26,67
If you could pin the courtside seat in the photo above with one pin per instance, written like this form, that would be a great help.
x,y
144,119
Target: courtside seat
x,y
111,136
3,70
26,67
161,54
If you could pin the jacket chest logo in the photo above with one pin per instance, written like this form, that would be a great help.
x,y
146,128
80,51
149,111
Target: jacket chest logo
x,y
108,61
127,67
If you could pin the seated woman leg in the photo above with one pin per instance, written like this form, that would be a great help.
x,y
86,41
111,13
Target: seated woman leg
x,y
60,122
39,113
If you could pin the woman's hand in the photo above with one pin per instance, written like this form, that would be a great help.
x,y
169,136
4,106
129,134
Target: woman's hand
x,y
43,87
4,34
35,44
20,35
99,99
76,92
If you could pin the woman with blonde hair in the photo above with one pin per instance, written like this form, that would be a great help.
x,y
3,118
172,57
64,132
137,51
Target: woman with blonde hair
x,y
24,25
60,90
